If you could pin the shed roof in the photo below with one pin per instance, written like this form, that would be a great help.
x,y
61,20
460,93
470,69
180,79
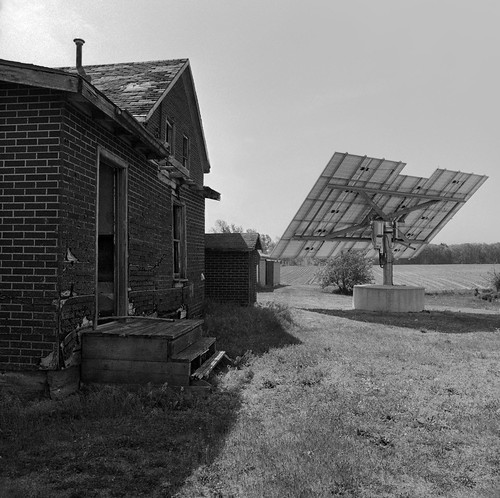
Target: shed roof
x,y
238,242
135,86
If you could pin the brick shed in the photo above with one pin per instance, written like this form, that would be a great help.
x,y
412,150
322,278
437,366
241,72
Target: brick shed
x,y
231,261
102,202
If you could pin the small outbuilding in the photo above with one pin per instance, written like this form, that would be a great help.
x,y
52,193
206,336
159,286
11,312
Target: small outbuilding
x,y
269,272
231,261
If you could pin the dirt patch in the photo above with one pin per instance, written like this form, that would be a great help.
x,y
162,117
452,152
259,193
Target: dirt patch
x,y
307,296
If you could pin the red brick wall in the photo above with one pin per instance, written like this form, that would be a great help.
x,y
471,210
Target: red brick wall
x,y
231,276
48,163
29,201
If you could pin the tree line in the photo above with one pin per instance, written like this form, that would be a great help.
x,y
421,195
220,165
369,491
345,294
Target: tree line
x,y
432,254
457,254
436,254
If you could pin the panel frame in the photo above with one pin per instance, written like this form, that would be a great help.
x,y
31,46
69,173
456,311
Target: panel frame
x,y
353,191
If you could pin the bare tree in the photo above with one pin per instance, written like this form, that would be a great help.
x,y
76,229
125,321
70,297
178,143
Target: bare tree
x,y
222,226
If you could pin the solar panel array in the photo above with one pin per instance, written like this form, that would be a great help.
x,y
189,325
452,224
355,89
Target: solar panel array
x,y
353,191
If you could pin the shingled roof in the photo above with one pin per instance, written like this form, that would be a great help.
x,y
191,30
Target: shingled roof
x,y
135,86
239,242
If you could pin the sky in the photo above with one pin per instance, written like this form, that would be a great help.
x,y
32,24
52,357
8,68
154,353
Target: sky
x,y
283,84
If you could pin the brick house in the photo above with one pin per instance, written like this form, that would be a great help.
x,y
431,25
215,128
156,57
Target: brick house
x,y
102,202
231,263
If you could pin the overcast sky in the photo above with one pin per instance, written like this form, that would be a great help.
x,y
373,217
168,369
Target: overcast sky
x,y
283,84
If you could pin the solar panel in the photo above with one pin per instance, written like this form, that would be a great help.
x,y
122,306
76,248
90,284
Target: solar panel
x,y
356,194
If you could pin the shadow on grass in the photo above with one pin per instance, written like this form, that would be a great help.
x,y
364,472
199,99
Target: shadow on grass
x,y
119,441
446,322
239,329
111,441
264,290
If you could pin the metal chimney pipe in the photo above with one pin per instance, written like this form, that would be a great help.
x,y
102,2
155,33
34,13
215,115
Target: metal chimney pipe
x,y
79,67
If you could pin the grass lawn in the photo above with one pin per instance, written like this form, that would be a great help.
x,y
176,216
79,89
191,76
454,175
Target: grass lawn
x,y
324,406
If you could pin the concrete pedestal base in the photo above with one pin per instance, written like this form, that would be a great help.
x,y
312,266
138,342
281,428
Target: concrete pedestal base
x,y
393,298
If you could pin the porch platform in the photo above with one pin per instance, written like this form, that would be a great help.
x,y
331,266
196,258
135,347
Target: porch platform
x,y
139,350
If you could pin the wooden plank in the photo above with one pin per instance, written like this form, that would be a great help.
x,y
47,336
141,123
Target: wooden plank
x,y
209,365
135,372
123,327
126,348
199,348
145,330
182,342
167,329
141,367
37,76
183,326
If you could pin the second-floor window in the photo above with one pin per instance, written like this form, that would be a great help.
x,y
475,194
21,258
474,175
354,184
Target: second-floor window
x,y
169,134
185,151
179,241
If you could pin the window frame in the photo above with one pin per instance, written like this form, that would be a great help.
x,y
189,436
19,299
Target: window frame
x,y
186,145
179,260
170,125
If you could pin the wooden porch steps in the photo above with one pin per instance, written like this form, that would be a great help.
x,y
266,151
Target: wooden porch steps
x,y
139,351
200,348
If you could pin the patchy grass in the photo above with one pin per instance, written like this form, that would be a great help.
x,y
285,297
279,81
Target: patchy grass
x,y
325,406
460,300
364,410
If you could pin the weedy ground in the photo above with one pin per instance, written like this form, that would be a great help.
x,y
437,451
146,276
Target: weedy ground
x,y
323,406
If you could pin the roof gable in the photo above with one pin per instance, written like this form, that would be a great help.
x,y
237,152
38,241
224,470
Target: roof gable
x,y
136,86
238,242
139,88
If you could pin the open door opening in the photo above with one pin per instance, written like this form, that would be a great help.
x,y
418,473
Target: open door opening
x,y
111,242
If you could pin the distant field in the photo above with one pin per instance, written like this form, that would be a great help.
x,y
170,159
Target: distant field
x,y
432,277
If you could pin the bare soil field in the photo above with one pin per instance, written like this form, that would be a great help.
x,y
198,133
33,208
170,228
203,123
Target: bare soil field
x,y
434,278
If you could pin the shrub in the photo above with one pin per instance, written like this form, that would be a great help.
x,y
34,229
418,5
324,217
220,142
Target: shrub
x,y
494,279
345,271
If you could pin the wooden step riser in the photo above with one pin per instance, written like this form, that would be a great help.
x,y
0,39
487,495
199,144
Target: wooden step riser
x,y
122,371
125,348
182,342
135,372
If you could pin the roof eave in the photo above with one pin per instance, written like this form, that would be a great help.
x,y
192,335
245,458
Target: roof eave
x,y
80,89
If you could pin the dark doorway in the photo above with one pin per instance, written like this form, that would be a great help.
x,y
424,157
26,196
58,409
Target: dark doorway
x,y
111,242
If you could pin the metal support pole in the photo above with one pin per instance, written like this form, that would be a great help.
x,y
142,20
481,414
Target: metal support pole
x,y
389,257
